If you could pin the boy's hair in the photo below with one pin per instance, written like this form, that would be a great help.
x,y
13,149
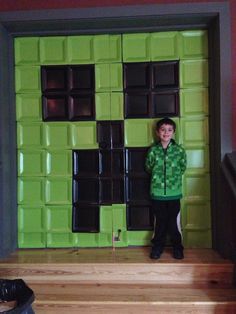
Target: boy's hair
x,y
165,121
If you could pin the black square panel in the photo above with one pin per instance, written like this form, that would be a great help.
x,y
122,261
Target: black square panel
x,y
139,217
85,219
86,162
81,107
105,162
86,190
165,74
55,108
137,189
137,105
54,79
117,162
165,104
117,134
104,134
118,189
135,161
136,76
105,187
82,78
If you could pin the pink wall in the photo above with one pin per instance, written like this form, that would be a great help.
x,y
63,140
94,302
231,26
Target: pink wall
x,y
60,4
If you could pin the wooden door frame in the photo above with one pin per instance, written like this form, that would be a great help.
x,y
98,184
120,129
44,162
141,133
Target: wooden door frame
x,y
215,17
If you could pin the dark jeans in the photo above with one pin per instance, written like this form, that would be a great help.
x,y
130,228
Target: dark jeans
x,y
167,221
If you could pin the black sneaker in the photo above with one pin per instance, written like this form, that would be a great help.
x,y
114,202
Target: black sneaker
x,y
155,253
178,253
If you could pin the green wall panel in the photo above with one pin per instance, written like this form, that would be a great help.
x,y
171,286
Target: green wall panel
x,y
197,238
107,48
199,131
196,187
27,79
80,49
116,77
59,240
106,219
164,45
193,44
32,240
58,190
138,132
58,218
105,239
31,162
59,163
136,47
29,135
194,101
103,106
115,48
197,158
31,190
31,219
56,135
139,237
194,73
102,77
88,239
53,50
28,107
27,50
196,215
117,106
83,135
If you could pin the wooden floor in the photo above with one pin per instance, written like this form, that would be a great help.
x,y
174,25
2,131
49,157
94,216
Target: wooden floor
x,y
124,280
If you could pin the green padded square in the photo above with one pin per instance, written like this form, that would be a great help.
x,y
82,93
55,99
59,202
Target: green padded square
x,y
31,240
193,44
88,239
31,162
27,79
196,215
53,50
136,47
29,135
56,135
27,50
58,190
60,240
59,163
119,217
83,135
105,239
199,131
80,49
164,46
31,219
197,158
31,191
28,107
58,218
138,132
196,187
117,106
106,219
115,48
103,106
101,48
194,101
139,237
116,77
194,73
102,78
197,239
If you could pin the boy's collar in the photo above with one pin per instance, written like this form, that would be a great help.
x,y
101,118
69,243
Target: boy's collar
x,y
172,142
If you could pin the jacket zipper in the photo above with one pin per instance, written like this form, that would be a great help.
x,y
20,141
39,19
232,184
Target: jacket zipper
x,y
165,152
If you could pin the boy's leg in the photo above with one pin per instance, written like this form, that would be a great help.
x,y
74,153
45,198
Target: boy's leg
x,y
161,224
174,227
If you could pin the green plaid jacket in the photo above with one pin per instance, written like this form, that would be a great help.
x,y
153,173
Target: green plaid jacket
x,y
166,167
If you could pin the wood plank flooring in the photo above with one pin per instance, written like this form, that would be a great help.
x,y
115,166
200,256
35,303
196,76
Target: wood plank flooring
x,y
124,280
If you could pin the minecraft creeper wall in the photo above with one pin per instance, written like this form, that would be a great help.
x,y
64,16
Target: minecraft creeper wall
x,y
45,148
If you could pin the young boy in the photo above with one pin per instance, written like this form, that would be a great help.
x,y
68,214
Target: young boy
x,y
166,161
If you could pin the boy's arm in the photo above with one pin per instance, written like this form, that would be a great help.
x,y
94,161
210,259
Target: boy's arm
x,y
149,162
183,161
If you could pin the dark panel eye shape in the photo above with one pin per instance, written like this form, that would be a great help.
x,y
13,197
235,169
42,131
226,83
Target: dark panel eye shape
x,y
81,107
165,75
85,219
82,77
139,217
136,76
55,107
54,79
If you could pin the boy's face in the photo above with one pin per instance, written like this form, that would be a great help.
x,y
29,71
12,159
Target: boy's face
x,y
165,133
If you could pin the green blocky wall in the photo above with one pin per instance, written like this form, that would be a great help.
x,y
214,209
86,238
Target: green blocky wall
x,y
44,148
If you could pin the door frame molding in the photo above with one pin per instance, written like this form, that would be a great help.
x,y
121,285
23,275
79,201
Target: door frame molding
x,y
213,16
